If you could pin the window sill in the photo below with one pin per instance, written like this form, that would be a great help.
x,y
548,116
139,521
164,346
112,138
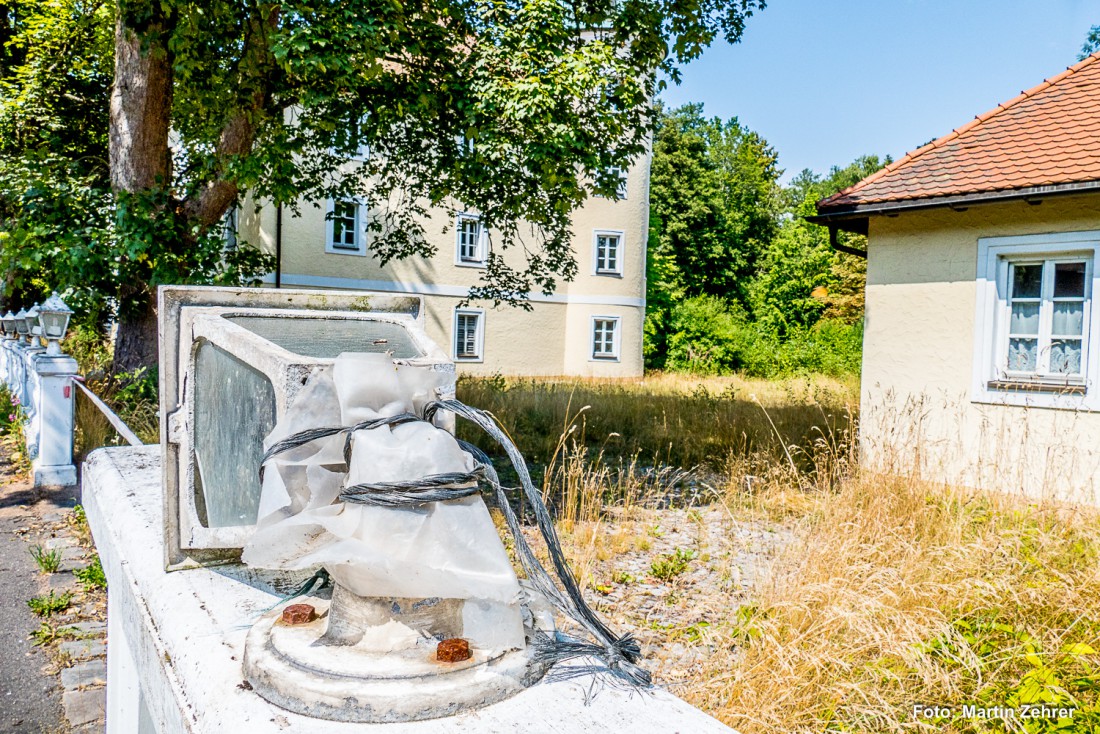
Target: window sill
x,y
608,274
603,358
358,251
470,264
1038,386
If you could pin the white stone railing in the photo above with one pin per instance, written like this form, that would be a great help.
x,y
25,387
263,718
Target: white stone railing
x,y
42,383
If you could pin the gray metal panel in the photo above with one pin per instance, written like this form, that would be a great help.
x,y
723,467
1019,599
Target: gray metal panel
x,y
326,338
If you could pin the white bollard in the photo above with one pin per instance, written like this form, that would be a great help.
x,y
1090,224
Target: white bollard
x,y
53,419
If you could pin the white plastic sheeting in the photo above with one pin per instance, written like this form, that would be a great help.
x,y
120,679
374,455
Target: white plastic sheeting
x,y
442,549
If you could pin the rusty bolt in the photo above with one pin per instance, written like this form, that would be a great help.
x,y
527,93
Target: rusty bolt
x,y
299,614
454,650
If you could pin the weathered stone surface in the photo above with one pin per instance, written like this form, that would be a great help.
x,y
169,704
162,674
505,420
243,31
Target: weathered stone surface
x,y
88,673
71,565
95,629
61,582
81,649
83,707
73,553
59,543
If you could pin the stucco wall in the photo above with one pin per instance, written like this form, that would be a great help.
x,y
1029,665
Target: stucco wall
x,y
919,342
554,338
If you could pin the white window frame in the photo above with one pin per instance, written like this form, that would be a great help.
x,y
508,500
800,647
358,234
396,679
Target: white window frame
x,y
479,338
616,339
617,271
991,382
482,241
360,248
622,189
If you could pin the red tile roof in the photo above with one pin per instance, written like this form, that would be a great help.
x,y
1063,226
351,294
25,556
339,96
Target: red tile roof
x,y
1048,135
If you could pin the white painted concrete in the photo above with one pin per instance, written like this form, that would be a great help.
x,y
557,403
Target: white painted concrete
x,y
185,631
43,386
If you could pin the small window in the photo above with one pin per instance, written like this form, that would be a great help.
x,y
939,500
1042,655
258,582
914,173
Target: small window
x,y
229,229
1036,333
620,174
470,237
608,252
605,337
468,337
1047,318
344,228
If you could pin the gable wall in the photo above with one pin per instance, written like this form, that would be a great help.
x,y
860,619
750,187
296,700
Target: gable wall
x,y
917,413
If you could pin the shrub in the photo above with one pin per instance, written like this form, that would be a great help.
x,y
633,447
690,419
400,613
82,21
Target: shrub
x,y
707,336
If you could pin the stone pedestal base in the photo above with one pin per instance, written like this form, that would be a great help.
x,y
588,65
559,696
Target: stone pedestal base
x,y
295,667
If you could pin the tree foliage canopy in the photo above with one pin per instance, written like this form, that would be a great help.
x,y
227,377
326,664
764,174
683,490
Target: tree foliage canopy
x,y
516,110
737,279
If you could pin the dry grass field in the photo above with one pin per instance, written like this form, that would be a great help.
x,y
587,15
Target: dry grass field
x,y
792,592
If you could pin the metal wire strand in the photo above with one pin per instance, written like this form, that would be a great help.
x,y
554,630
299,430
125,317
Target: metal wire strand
x,y
619,653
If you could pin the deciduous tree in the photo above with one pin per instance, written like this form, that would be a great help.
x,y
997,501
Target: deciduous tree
x,y
516,110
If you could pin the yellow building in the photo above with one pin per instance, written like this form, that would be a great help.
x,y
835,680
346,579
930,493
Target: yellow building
x,y
981,359
590,327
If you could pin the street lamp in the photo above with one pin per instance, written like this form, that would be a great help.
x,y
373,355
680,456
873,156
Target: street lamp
x,y
54,315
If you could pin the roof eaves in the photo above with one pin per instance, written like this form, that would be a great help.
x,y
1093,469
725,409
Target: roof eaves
x,y
862,211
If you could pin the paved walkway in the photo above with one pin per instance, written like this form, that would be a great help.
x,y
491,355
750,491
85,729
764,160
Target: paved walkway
x,y
30,698
54,688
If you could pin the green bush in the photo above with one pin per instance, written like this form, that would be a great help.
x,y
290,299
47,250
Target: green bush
x,y
707,336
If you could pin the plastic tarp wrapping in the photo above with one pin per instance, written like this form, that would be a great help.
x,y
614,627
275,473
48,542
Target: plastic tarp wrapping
x,y
445,550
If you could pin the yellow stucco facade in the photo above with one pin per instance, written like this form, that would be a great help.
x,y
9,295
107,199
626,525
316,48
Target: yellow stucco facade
x,y
556,337
931,299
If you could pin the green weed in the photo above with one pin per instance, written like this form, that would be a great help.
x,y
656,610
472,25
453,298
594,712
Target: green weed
x,y
670,565
48,561
50,604
92,576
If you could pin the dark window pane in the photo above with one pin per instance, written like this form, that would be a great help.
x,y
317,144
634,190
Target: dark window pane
x,y
1027,281
1069,280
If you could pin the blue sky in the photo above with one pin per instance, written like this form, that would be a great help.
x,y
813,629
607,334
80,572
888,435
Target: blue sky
x,y
825,81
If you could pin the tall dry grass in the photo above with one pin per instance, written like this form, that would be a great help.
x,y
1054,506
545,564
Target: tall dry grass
x,y
665,419
895,592
898,593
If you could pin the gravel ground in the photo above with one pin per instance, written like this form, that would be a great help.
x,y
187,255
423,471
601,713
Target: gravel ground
x,y
672,576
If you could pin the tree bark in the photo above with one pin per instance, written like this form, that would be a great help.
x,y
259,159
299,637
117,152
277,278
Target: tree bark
x,y
136,338
141,103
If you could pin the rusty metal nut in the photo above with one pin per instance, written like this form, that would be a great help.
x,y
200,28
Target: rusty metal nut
x,y
299,614
454,650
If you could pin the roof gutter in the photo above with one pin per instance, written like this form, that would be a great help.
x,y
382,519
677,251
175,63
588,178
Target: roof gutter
x,y
853,218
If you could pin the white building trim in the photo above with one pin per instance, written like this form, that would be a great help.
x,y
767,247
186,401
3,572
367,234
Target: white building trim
x,y
991,315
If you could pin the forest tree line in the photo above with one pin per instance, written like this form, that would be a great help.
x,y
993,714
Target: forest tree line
x,y
737,280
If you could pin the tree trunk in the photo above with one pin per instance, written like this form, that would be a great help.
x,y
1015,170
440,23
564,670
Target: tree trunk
x,y
136,344
141,103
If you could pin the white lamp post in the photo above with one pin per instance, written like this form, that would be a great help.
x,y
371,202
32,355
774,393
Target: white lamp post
x,y
54,316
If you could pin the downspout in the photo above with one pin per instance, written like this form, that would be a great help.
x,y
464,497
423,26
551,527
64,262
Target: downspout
x,y
279,245
835,244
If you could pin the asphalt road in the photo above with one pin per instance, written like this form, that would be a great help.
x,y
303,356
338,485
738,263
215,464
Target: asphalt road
x,y
30,700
